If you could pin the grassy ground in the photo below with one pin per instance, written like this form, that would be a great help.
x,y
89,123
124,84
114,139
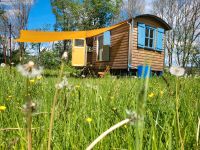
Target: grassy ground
x,y
91,105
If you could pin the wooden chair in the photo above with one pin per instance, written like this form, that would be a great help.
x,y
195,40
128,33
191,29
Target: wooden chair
x,y
102,74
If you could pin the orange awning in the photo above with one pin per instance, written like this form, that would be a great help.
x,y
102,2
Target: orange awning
x,y
44,36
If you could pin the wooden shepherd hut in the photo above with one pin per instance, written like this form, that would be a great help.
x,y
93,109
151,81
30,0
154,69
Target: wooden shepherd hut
x,y
123,47
137,41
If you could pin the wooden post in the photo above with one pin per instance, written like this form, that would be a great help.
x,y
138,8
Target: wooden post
x,y
10,44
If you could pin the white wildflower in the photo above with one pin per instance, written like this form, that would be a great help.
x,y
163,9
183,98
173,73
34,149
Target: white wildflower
x,y
196,76
90,86
177,71
3,65
30,70
83,76
62,84
65,56
12,63
186,75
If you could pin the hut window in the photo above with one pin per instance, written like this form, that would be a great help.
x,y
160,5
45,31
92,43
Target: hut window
x,y
103,50
149,37
79,43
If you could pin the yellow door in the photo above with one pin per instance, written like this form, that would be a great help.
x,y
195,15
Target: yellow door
x,y
79,56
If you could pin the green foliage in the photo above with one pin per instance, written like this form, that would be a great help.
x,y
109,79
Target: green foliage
x,y
86,14
49,59
99,13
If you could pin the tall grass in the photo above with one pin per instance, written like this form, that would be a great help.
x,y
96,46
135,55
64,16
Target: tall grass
x,y
104,101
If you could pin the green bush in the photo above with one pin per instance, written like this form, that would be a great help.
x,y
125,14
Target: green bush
x,y
49,59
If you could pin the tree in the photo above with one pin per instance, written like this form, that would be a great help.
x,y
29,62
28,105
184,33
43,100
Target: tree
x,y
184,18
131,8
4,33
19,18
84,14
98,13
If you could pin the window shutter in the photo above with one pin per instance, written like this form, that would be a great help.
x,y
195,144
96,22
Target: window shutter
x,y
159,40
141,35
106,38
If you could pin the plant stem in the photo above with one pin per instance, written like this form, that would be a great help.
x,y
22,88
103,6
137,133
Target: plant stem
x,y
198,128
53,106
29,117
29,135
177,114
107,132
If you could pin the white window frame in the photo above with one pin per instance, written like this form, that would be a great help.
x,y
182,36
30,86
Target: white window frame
x,y
98,47
79,46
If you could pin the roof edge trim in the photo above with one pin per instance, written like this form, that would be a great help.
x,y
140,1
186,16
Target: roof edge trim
x,y
165,24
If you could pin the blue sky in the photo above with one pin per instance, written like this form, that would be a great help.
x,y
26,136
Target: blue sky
x,y
41,15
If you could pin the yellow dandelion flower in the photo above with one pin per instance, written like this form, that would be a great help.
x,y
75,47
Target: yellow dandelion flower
x,y
77,86
151,95
39,77
161,93
89,120
32,81
114,109
2,108
9,96
112,97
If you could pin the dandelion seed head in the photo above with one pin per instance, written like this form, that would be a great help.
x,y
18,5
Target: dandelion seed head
x,y
31,64
62,84
133,116
59,86
29,106
29,70
177,71
3,65
65,56
83,76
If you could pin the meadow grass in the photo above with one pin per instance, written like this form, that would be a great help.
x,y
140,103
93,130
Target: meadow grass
x,y
104,102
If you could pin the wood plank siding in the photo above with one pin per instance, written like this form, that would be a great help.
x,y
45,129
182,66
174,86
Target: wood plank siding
x,y
118,49
141,56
